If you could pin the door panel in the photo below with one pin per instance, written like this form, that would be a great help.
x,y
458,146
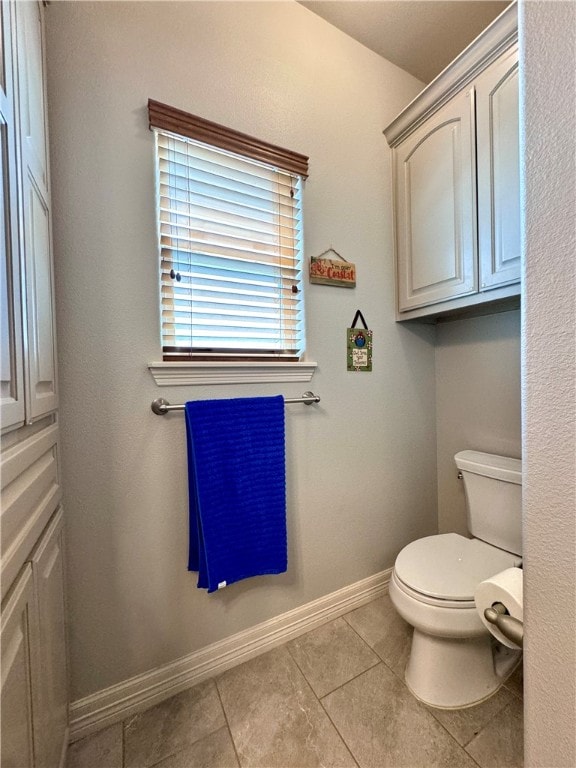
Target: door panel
x,y
18,629
435,204
499,173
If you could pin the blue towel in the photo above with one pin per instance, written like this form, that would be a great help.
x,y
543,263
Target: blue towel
x,y
237,488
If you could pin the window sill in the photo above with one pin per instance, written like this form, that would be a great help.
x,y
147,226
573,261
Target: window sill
x,y
197,373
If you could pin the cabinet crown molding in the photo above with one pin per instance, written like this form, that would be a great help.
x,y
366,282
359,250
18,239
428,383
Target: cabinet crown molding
x,y
494,40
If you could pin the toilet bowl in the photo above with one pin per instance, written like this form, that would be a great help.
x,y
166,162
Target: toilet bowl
x,y
454,661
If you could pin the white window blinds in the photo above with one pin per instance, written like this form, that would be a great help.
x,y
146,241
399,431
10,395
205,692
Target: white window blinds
x,y
230,237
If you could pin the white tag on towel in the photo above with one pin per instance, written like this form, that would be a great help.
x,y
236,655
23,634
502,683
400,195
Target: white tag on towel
x,y
221,584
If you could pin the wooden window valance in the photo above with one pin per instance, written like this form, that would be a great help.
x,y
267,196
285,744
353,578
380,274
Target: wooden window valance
x,y
168,118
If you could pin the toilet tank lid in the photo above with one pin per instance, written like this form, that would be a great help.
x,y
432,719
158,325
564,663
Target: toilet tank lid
x,y
489,465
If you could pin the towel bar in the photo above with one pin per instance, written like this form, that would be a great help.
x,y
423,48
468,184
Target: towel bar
x,y
162,406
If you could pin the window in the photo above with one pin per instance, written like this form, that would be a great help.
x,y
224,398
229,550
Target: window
x,y
230,239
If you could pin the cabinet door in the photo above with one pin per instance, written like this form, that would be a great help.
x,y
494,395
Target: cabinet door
x,y
11,361
51,720
41,358
31,82
498,172
18,631
37,259
436,208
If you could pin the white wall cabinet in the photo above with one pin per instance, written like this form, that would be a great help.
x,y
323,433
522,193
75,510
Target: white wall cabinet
x,y
456,183
34,707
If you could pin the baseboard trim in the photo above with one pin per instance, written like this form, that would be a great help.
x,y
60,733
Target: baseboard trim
x,y
113,704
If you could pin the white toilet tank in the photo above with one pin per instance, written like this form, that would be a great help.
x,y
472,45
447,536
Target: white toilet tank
x,y
493,486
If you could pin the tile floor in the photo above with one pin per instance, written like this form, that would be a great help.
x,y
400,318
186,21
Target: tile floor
x,y
333,697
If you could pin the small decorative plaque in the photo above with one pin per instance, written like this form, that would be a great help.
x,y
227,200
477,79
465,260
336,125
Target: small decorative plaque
x,y
332,272
359,346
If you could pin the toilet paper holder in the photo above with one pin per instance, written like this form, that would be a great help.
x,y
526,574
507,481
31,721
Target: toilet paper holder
x,y
511,628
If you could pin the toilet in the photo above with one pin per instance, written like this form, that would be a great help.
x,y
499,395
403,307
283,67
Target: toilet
x,y
454,661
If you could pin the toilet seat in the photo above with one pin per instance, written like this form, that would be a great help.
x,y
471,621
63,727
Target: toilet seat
x,y
445,569
420,597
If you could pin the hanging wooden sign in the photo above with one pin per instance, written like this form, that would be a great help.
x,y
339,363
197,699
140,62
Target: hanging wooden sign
x,y
338,272
359,345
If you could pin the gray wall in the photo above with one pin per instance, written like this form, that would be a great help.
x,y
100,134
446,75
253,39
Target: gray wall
x,y
477,400
362,467
277,71
548,52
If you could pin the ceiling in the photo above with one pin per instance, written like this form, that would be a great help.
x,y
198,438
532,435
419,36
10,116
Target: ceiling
x,y
420,36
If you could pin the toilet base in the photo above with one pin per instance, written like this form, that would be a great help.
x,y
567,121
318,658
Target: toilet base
x,y
453,673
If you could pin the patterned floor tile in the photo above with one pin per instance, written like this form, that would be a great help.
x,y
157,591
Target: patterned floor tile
x,y
275,719
385,631
331,655
213,751
101,749
500,743
385,727
167,728
465,724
